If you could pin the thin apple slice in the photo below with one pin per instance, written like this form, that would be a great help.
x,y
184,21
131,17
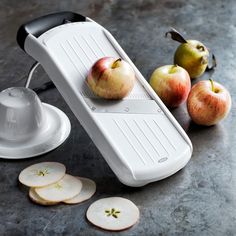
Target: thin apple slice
x,y
87,191
113,213
66,188
42,174
34,197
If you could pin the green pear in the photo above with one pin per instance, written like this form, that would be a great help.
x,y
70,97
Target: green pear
x,y
193,56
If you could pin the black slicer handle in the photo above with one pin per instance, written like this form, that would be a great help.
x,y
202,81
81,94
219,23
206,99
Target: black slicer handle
x,y
42,24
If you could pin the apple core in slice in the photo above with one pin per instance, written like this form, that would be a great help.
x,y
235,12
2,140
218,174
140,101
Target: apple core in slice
x,y
66,188
87,191
42,174
113,213
34,197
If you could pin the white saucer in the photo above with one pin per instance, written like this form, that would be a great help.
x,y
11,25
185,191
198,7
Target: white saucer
x,y
53,134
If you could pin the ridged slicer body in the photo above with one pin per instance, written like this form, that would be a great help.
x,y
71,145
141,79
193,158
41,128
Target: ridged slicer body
x,y
138,136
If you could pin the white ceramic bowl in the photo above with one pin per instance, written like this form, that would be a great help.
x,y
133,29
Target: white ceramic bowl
x,y
29,127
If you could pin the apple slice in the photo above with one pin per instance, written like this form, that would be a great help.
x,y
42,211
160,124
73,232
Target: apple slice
x,y
34,197
87,191
42,174
66,188
113,213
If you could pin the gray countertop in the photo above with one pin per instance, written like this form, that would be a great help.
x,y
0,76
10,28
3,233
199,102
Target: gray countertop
x,y
198,200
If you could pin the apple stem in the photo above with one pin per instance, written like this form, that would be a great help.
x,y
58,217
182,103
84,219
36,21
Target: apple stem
x,y
115,63
177,36
172,68
212,85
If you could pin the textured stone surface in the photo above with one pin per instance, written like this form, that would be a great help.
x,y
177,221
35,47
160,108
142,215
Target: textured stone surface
x,y
200,199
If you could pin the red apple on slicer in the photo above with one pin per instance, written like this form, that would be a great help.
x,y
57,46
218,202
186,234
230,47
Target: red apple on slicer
x,y
111,78
208,102
172,84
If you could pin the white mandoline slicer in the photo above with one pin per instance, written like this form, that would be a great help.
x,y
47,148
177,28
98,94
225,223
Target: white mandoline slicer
x,y
138,137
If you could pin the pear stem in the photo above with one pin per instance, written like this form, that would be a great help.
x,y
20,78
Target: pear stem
x,y
212,85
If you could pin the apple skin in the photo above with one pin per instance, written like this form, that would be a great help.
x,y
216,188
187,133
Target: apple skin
x,y
172,84
193,57
207,106
111,78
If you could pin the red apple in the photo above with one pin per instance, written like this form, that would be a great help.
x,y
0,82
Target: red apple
x,y
111,78
172,84
208,103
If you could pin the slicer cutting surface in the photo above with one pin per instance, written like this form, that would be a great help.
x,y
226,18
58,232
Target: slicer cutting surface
x,y
76,47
